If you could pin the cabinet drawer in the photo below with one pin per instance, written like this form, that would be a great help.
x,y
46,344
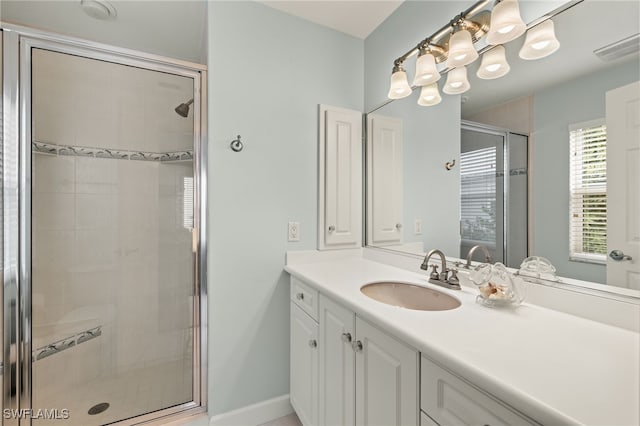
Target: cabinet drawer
x,y
305,296
448,400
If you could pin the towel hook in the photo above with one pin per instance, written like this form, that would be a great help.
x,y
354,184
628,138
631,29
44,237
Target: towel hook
x,y
236,145
449,164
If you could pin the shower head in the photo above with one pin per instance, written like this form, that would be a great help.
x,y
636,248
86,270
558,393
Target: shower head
x,y
183,109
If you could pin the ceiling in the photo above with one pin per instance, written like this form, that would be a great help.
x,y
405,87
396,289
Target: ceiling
x,y
171,28
355,17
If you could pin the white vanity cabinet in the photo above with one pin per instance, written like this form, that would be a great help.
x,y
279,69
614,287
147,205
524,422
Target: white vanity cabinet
x,y
346,371
365,375
304,343
446,399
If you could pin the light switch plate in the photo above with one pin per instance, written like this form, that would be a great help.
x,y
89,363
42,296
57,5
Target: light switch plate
x,y
294,231
417,227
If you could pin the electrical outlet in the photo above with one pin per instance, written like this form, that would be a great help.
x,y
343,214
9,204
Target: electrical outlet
x,y
417,227
294,231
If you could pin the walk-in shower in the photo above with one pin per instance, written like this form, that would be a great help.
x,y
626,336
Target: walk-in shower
x,y
102,219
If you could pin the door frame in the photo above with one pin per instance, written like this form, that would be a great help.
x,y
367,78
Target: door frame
x,y
506,147
15,155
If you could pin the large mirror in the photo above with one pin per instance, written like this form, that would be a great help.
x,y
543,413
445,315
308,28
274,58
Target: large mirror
x,y
524,173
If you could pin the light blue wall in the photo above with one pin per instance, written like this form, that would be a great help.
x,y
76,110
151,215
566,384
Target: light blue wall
x,y
581,99
431,134
267,73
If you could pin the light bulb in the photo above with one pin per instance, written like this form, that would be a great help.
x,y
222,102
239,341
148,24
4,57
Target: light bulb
x,y
540,42
456,81
429,95
506,23
399,87
461,50
494,64
426,71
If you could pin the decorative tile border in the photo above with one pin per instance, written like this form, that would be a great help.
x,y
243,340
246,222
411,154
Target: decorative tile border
x,y
66,343
81,151
513,172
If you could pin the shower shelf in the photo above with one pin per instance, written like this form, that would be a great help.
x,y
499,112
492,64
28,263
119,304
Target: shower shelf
x,y
66,343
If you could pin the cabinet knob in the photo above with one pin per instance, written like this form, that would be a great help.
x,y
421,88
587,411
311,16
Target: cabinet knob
x,y
357,346
313,343
346,337
300,296
332,228
398,225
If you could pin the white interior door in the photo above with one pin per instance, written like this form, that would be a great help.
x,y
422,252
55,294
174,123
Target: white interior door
x,y
623,181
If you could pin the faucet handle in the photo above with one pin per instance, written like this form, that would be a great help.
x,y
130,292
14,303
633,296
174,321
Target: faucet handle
x,y
434,273
453,279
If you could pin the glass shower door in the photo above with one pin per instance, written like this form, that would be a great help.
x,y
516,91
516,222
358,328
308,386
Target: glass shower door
x,y
113,261
482,192
494,193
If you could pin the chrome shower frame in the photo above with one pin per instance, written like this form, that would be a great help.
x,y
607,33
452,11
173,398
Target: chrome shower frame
x,y
15,158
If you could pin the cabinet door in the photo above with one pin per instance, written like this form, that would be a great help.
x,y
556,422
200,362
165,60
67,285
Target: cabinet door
x,y
304,366
340,169
386,379
384,180
337,364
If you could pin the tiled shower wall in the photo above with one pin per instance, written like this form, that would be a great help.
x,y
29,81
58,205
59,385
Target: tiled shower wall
x,y
111,246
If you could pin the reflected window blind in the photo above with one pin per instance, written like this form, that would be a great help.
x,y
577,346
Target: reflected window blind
x,y
588,191
187,205
478,195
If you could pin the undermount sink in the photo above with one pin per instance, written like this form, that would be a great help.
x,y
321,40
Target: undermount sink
x,y
410,296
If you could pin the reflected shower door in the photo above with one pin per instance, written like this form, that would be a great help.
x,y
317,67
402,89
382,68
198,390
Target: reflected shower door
x,y
482,193
494,193
112,249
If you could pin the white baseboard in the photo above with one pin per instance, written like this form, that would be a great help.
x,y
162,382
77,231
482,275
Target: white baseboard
x,y
255,414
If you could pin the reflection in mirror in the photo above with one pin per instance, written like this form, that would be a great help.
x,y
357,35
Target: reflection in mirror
x,y
550,193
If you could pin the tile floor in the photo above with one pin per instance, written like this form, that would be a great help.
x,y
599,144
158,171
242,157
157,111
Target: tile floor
x,y
290,420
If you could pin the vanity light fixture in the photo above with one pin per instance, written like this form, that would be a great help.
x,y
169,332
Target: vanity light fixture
x,y
506,23
461,50
457,82
429,95
426,71
494,64
454,43
399,87
540,41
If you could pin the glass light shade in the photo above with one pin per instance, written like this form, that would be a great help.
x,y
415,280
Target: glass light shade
x,y
426,71
461,50
494,64
506,23
399,87
456,82
429,95
541,41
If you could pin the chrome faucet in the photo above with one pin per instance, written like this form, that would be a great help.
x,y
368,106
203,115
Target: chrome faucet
x,y
442,279
485,250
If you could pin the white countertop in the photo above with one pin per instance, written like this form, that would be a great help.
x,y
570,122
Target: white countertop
x,y
554,367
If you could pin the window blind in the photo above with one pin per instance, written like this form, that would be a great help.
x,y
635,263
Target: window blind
x,y
588,191
478,195
187,204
